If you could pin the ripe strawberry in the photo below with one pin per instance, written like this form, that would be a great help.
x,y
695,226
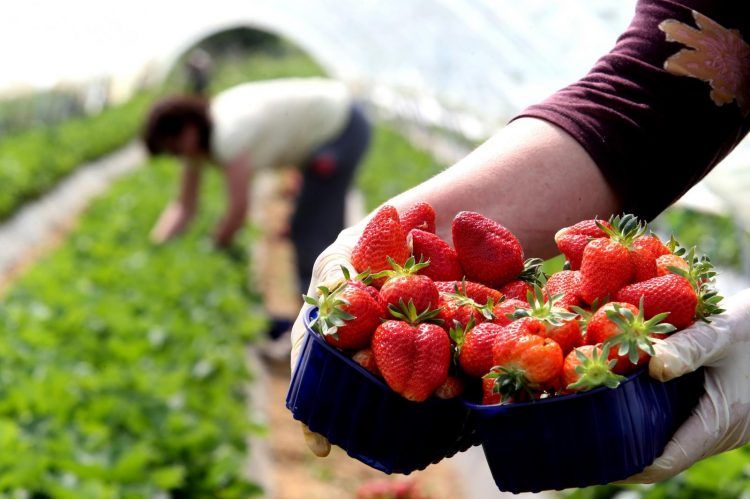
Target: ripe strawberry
x,y
475,347
645,250
587,367
670,293
571,241
489,253
366,359
489,395
348,314
664,262
457,308
557,323
477,292
420,216
451,388
566,286
403,284
524,362
383,237
427,247
518,288
607,264
505,310
622,329
413,358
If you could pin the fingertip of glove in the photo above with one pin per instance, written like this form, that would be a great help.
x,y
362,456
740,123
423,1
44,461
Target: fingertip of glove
x,y
317,443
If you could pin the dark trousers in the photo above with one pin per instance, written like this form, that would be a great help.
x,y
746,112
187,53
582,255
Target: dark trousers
x,y
327,175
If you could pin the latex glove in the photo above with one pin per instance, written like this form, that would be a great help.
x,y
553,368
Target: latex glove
x,y
721,420
326,271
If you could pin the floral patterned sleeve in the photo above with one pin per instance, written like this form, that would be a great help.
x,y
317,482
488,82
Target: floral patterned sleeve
x,y
666,104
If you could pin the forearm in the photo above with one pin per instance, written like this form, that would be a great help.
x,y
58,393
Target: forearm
x,y
228,227
531,177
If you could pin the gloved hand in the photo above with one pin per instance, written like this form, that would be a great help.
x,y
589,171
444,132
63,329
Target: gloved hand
x,y
326,271
721,420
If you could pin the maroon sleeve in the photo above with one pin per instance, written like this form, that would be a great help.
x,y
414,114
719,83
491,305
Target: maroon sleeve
x,y
666,104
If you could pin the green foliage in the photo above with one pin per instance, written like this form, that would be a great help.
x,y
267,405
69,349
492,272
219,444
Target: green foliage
x,y
123,363
32,162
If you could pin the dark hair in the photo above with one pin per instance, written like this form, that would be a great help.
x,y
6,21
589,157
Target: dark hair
x,y
169,117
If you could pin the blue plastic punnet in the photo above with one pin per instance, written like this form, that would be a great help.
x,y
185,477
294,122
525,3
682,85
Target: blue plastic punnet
x,y
590,438
336,397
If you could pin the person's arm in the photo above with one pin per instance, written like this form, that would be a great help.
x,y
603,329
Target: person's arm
x,y
177,215
237,177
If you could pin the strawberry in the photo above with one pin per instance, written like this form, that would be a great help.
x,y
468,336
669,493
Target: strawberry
x,y
348,314
571,241
477,292
451,388
489,253
665,262
645,250
383,237
366,359
427,247
669,293
413,358
505,310
489,395
403,284
556,323
587,367
523,361
566,286
519,287
475,347
457,308
628,336
420,216
607,264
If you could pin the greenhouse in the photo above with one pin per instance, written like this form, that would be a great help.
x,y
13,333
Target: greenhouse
x,y
145,351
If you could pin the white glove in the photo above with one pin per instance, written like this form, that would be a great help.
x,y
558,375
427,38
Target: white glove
x,y
326,271
721,420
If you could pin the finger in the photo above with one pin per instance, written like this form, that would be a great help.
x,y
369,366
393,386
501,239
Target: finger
x,y
317,443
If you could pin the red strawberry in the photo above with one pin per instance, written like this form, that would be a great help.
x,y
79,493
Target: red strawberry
x,y
566,285
457,308
413,358
664,262
489,253
669,293
383,237
347,314
587,367
475,347
622,328
645,250
420,216
557,323
489,395
504,311
366,359
607,264
573,240
403,284
452,388
427,247
477,292
520,287
524,362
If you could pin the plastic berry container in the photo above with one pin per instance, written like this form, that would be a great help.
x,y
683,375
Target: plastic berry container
x,y
336,397
583,439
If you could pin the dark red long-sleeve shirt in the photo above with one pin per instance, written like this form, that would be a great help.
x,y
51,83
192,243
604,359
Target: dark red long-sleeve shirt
x,y
666,104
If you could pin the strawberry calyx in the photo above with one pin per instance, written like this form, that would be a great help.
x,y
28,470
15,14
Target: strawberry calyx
x,y
635,332
595,371
458,334
532,271
584,315
544,310
700,274
410,267
623,229
408,313
460,297
510,383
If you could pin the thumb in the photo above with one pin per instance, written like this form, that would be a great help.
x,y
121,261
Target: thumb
x,y
317,443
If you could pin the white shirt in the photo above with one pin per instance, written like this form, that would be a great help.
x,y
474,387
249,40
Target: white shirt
x,y
277,123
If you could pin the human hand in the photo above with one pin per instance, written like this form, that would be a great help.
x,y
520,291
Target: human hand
x,y
172,221
721,420
326,271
